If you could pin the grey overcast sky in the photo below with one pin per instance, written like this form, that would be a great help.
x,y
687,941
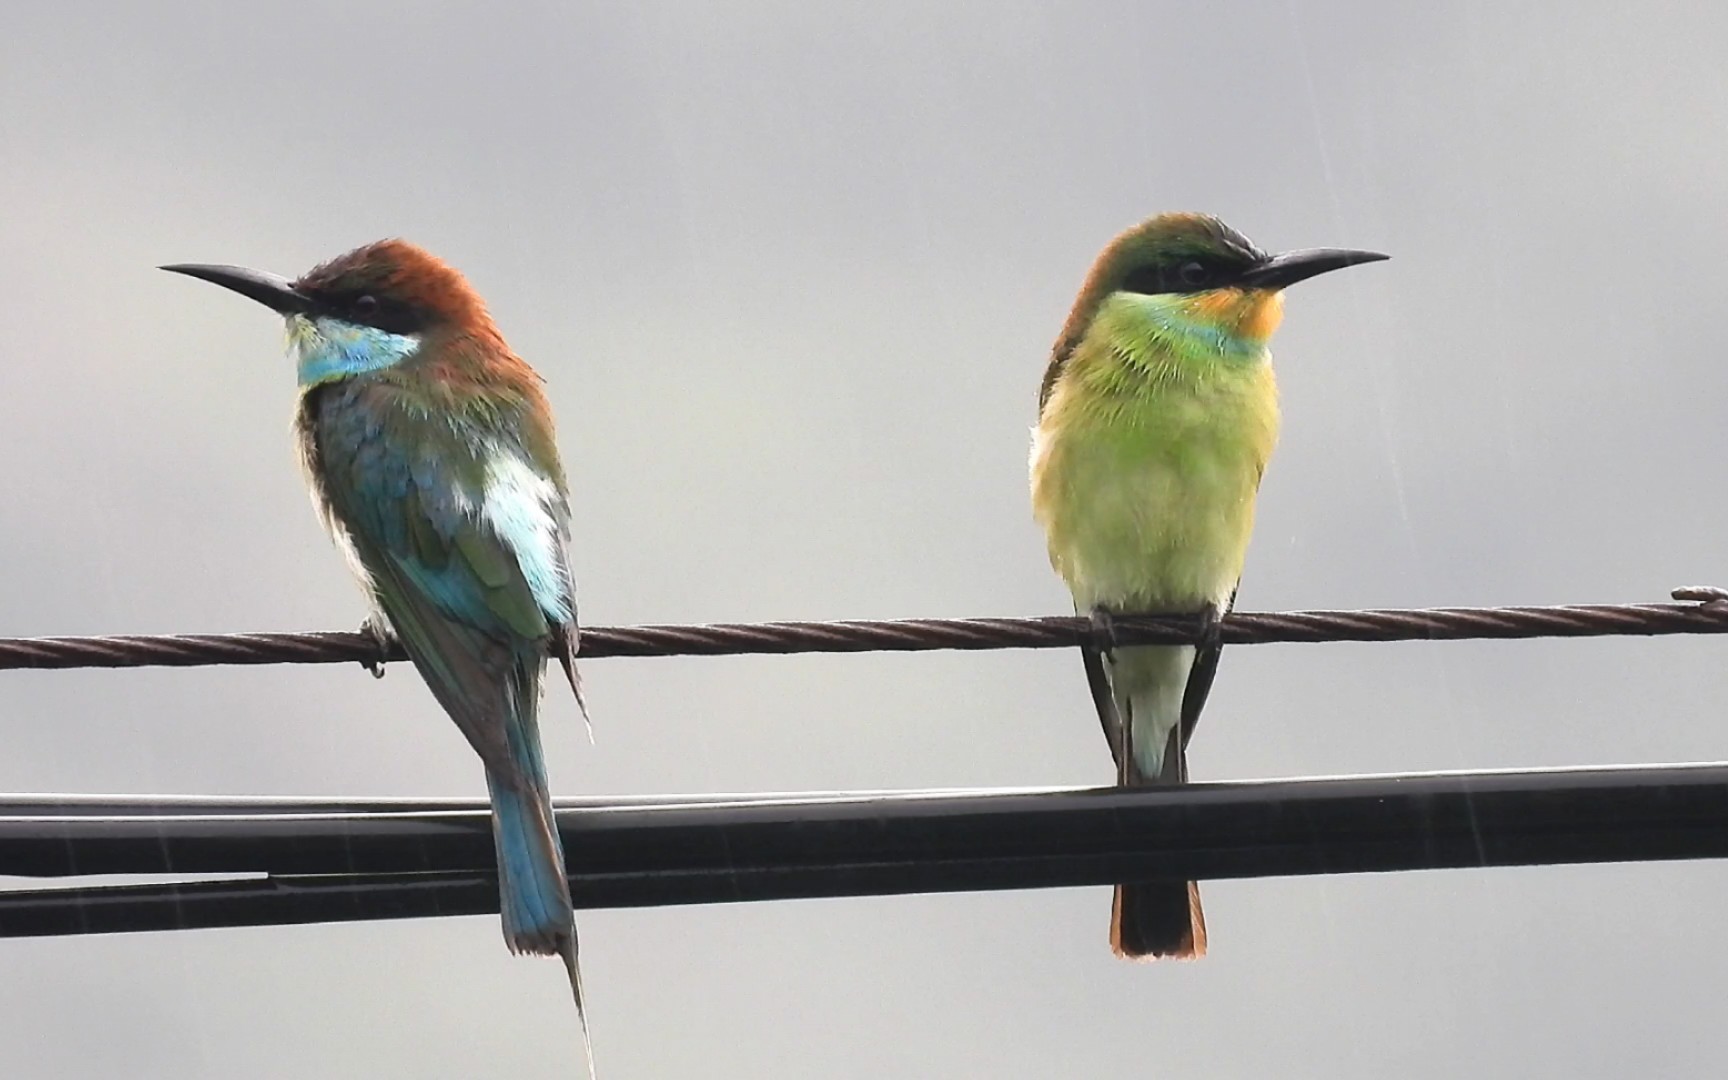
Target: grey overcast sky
x,y
791,272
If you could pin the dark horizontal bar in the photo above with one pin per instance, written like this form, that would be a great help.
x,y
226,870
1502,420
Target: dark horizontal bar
x,y
272,901
395,863
60,805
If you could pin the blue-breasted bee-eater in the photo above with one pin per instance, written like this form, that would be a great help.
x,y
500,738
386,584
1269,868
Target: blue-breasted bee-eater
x,y
1156,418
429,449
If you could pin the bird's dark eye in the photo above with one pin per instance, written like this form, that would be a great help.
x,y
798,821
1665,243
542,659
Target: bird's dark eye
x,y
366,305
1167,278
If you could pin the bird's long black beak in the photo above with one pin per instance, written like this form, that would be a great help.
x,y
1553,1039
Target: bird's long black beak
x,y
1282,271
275,293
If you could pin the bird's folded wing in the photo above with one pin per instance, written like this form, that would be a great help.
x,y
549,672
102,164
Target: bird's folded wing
x,y
452,588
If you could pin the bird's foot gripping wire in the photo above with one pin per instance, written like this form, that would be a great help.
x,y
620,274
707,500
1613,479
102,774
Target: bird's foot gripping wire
x,y
385,643
1211,627
1103,636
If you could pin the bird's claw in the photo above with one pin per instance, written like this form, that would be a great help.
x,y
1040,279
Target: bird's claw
x,y
385,643
1103,630
1211,620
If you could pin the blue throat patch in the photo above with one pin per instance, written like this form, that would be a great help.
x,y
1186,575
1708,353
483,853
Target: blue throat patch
x,y
326,349
1210,337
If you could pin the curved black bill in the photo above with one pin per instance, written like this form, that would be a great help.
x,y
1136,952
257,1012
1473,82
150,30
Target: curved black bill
x,y
276,293
1282,271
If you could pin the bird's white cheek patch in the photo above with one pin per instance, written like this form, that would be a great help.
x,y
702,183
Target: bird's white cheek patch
x,y
518,506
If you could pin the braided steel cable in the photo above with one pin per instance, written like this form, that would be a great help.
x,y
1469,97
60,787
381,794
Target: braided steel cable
x,y
1701,610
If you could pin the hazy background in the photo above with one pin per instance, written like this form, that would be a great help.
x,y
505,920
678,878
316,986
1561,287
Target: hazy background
x,y
792,276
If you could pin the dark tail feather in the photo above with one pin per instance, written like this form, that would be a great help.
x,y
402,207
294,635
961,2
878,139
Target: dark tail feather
x,y
565,641
1150,920
568,952
1156,919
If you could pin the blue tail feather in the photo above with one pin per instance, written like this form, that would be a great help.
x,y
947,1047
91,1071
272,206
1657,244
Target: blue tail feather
x,y
534,893
533,890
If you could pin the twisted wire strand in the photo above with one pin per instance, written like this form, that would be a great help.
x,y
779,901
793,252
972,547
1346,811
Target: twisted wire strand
x,y
1701,610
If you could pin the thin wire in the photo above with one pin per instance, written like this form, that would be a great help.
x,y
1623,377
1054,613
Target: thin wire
x,y
1704,610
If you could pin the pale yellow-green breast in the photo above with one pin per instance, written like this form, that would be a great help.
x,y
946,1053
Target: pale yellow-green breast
x,y
1149,450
